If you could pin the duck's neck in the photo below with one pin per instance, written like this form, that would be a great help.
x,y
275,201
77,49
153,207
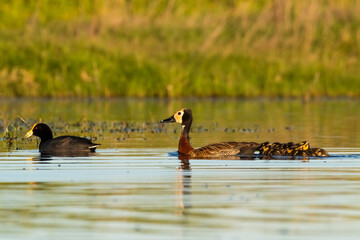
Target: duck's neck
x,y
184,142
46,137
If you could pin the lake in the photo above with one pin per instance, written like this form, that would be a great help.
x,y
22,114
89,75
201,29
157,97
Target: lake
x,y
135,187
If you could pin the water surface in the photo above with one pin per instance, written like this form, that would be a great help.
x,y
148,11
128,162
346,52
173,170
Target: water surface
x,y
134,189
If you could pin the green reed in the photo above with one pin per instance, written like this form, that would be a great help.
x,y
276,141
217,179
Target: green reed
x,y
170,48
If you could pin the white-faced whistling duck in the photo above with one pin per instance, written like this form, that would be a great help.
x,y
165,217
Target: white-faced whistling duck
x,y
222,149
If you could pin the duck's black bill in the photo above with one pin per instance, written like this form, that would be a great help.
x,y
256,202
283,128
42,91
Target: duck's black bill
x,y
168,120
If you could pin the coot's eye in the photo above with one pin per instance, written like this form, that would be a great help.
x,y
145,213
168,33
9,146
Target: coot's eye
x,y
179,113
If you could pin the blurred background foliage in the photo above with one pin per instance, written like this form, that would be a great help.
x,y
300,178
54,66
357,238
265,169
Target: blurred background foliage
x,y
170,48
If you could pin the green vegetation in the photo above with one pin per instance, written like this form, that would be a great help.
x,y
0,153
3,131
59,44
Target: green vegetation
x,y
169,48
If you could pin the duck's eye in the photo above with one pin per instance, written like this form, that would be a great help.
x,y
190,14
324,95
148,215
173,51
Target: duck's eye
x,y
179,113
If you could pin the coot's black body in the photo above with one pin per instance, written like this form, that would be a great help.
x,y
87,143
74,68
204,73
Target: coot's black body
x,y
60,146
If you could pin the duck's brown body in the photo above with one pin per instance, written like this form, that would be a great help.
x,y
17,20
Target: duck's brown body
x,y
222,149
225,149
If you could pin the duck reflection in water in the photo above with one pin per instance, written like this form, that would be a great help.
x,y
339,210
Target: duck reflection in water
x,y
183,186
183,181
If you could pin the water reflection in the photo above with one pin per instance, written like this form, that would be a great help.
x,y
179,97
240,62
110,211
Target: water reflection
x,y
183,181
41,158
185,159
185,164
133,189
183,186
148,192
70,155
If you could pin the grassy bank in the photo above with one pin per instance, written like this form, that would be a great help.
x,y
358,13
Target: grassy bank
x,y
180,48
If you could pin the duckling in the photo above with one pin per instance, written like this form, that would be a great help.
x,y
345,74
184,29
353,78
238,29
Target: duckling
x,y
301,149
184,117
60,146
264,148
289,144
284,147
304,146
276,149
292,149
317,152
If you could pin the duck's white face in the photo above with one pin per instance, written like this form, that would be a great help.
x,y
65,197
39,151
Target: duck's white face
x,y
179,115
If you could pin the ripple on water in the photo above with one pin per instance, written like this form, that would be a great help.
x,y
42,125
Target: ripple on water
x,y
149,193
